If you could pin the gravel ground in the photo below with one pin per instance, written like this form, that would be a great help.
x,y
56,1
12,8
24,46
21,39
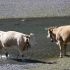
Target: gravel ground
x,y
18,67
18,64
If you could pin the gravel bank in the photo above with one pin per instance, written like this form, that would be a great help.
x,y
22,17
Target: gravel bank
x,y
18,67
18,64
34,8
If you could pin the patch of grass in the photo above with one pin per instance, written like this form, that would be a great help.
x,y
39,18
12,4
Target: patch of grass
x,y
45,49
37,26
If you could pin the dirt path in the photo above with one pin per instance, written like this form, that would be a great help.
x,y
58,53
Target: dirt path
x,y
55,64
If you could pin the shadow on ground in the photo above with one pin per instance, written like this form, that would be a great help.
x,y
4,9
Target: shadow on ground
x,y
32,61
67,55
